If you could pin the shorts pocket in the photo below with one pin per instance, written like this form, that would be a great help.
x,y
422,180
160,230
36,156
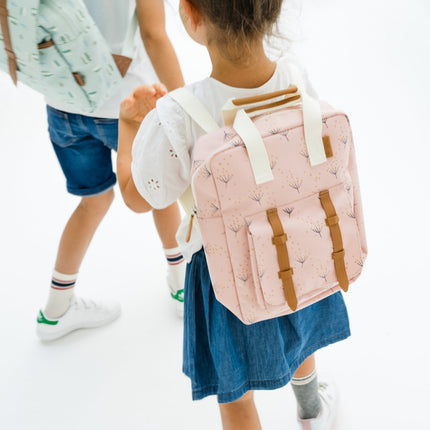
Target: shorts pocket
x,y
59,127
107,130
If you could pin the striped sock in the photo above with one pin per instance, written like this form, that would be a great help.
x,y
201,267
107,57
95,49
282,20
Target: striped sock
x,y
175,273
173,256
60,294
307,396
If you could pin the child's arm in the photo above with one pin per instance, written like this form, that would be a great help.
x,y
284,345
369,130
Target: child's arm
x,y
157,43
133,110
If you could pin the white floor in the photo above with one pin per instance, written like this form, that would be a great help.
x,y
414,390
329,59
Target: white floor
x,y
369,58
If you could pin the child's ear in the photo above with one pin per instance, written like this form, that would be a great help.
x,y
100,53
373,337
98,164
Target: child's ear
x,y
192,13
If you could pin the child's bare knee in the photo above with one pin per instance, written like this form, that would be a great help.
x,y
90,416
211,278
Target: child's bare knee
x,y
97,204
247,398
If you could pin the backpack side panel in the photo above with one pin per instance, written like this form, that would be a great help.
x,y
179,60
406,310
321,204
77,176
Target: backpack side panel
x,y
210,219
358,205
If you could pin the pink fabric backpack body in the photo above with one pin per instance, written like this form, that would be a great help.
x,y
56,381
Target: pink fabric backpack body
x,y
278,202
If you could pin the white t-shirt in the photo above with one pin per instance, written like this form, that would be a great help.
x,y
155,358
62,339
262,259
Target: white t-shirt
x,y
163,147
112,17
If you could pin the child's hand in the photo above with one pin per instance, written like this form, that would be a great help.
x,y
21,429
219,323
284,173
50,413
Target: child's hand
x,y
140,102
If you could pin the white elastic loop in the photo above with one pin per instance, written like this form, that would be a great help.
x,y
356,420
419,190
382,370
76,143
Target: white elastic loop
x,y
253,141
195,109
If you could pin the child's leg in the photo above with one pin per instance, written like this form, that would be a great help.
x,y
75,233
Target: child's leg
x,y
83,146
241,414
167,223
306,368
74,243
80,230
305,388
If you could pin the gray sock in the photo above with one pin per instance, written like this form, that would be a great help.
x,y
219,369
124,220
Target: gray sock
x,y
307,396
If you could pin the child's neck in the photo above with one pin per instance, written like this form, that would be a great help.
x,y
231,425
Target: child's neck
x,y
253,73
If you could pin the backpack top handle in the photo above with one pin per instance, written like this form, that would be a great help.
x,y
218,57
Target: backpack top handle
x,y
292,89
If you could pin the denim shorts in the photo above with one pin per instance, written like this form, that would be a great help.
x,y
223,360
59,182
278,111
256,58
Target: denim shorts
x,y
83,146
226,358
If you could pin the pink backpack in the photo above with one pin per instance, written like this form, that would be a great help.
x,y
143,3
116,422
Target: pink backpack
x,y
278,201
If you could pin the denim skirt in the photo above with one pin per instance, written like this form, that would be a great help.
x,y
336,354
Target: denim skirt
x,y
224,357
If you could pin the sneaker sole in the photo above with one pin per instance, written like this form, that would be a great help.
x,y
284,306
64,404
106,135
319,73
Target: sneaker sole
x,y
53,335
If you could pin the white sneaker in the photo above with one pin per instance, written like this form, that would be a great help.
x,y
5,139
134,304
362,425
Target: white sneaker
x,y
325,419
83,313
175,282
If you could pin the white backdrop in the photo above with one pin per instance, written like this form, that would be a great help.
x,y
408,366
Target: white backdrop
x,y
370,58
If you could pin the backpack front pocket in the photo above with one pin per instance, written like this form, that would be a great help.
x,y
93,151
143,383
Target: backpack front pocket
x,y
300,251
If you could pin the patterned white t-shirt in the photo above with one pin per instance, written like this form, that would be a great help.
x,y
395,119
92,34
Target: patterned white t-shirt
x,y
163,148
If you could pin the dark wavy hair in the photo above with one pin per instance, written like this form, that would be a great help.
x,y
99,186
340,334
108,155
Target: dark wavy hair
x,y
235,24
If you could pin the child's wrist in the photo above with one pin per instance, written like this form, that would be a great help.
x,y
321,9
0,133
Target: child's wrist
x,y
129,121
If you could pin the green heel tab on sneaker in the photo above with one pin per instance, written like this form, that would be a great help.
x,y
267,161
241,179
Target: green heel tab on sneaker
x,y
42,320
179,296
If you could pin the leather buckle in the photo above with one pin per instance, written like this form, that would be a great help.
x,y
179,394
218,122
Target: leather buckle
x,y
286,274
79,79
331,221
44,45
338,254
279,240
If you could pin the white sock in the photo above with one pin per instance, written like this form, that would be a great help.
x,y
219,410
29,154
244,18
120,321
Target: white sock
x,y
176,266
60,294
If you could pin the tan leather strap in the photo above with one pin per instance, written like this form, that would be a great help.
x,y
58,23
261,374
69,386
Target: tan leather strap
x,y
79,79
7,41
284,101
122,62
249,100
338,254
285,271
190,229
46,44
327,146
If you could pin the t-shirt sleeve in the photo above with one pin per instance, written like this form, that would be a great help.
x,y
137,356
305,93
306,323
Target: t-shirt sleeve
x,y
161,154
